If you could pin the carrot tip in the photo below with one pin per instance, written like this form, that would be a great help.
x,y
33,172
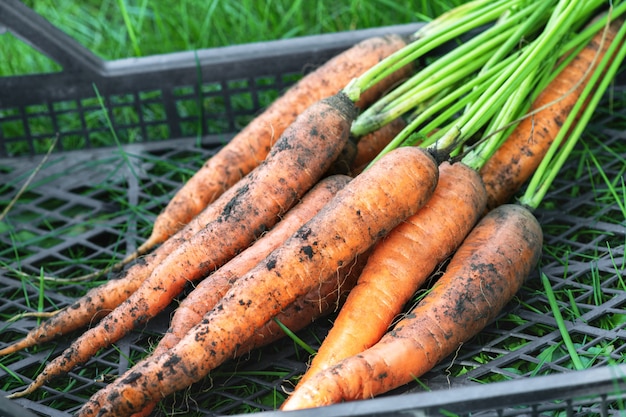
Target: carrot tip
x,y
30,389
144,248
18,345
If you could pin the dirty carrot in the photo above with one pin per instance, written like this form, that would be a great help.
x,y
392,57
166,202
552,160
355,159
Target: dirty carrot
x,y
210,290
483,275
319,302
324,299
377,370
519,156
251,146
366,209
101,300
400,264
296,162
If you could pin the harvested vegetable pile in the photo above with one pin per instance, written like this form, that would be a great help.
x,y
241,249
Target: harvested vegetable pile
x,y
463,131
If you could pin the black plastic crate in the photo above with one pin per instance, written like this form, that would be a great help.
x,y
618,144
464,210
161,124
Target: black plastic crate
x,y
88,207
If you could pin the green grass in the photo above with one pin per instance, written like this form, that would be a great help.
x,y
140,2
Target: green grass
x,y
119,28
116,29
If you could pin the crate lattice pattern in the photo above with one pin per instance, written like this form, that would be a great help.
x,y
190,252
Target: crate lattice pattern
x,y
212,108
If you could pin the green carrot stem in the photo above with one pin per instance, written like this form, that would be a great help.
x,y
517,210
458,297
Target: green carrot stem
x,y
448,18
426,84
500,127
440,111
448,69
443,111
557,154
482,152
435,34
527,26
494,97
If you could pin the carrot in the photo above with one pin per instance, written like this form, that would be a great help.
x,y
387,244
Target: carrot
x,y
319,302
484,274
371,144
322,300
362,212
519,156
297,161
251,146
400,264
210,290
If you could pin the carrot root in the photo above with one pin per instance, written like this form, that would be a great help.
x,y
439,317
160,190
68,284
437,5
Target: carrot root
x,y
251,146
209,291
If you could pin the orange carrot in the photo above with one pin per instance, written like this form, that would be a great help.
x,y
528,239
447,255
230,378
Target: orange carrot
x,y
101,300
321,301
366,209
371,144
324,299
251,146
519,156
297,161
484,274
210,290
400,264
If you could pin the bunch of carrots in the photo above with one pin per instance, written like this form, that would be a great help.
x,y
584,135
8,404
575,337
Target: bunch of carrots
x,y
346,194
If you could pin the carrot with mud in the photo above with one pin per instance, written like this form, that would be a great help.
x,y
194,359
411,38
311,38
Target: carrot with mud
x,y
319,302
101,300
339,383
250,146
324,299
400,264
484,274
366,209
415,260
297,161
209,291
